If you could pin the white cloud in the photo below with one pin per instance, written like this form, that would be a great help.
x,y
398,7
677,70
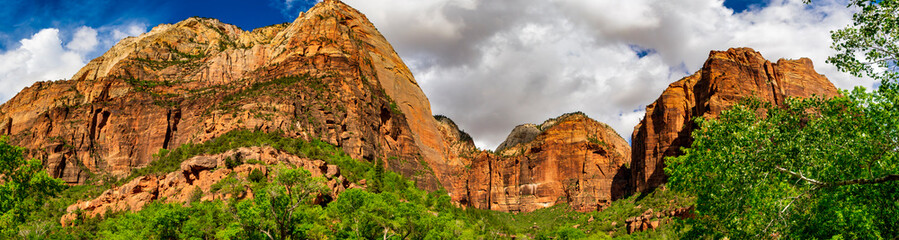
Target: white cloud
x,y
84,41
44,56
491,65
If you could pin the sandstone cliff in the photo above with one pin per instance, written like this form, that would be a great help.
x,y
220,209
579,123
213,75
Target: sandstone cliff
x,y
575,159
725,79
329,75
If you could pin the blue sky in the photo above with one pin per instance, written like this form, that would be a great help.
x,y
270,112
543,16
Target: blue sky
x,y
22,18
742,5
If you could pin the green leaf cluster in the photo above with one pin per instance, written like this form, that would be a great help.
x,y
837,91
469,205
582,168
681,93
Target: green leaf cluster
x,y
870,46
24,186
804,170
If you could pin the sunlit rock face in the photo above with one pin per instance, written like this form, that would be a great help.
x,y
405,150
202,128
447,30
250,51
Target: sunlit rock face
x,y
726,78
573,159
329,75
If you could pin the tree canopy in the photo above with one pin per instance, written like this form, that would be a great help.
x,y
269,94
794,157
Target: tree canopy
x,y
870,46
811,168
24,185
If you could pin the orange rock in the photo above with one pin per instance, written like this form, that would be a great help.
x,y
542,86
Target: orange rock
x,y
654,224
197,175
725,79
574,159
197,79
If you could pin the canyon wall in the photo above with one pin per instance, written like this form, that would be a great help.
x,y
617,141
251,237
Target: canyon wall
x,y
726,78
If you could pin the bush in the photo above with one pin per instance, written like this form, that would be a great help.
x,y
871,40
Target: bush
x,y
256,176
234,161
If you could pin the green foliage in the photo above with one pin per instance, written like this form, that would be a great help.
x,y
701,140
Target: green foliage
x,y
203,220
598,142
281,209
274,87
290,204
367,215
24,187
256,176
146,86
233,162
394,108
806,170
873,36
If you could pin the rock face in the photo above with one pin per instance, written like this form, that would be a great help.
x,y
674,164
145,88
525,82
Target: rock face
x,y
329,75
524,133
726,78
575,160
195,181
459,151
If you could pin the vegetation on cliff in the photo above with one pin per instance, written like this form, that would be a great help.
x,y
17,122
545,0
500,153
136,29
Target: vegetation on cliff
x,y
287,206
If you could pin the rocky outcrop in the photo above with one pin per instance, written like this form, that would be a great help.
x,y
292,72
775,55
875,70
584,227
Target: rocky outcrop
x,y
459,151
574,160
196,178
523,133
726,78
329,75
651,220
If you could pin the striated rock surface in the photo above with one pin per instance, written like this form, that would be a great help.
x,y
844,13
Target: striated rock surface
x,y
726,78
329,75
195,180
459,151
575,159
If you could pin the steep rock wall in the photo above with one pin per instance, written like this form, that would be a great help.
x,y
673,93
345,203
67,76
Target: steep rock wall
x,y
726,78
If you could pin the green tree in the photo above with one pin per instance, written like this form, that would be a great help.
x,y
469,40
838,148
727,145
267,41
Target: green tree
x,y
813,168
25,186
282,209
367,215
871,45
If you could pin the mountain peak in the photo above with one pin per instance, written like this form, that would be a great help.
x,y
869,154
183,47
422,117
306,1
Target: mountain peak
x,y
329,75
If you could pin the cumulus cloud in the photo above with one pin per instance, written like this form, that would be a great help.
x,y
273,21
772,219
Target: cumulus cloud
x,y
491,65
44,56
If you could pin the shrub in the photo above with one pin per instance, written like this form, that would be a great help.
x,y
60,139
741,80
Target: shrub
x,y
256,176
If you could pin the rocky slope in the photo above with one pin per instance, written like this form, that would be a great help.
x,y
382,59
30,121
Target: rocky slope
x,y
329,75
196,178
725,79
574,159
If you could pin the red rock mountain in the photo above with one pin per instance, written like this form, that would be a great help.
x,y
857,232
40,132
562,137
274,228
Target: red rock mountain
x,y
329,75
725,79
571,159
